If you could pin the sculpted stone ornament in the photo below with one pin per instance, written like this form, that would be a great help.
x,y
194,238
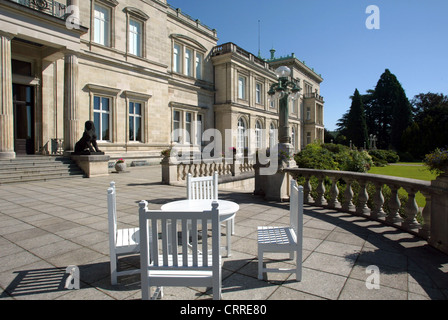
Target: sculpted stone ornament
x,y
87,144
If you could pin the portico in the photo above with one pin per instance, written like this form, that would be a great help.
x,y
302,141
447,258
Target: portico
x,y
38,76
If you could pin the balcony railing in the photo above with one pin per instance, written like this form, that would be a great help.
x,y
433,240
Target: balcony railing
x,y
377,197
313,95
49,7
230,47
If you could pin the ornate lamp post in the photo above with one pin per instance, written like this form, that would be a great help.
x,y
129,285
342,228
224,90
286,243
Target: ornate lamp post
x,y
282,90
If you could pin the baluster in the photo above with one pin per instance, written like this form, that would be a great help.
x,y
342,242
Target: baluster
x,y
411,210
426,214
348,197
394,206
363,197
334,192
320,201
183,174
378,202
307,198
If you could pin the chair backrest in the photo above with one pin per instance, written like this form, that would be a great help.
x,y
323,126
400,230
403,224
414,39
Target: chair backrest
x,y
177,255
202,187
296,207
112,213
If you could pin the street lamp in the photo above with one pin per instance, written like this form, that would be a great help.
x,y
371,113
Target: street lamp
x,y
282,90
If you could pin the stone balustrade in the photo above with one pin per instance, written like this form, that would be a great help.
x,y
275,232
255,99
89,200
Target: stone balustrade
x,y
175,173
370,200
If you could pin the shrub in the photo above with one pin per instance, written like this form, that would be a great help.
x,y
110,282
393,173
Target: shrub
x,y
437,161
331,156
313,156
384,157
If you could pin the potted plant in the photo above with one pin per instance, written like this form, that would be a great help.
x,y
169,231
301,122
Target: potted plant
x,y
120,165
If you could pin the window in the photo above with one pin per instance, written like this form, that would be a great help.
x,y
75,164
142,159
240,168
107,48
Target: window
x,y
101,117
199,129
135,37
188,57
176,58
258,135
308,90
135,121
199,59
241,138
241,88
188,121
308,113
176,126
308,137
188,60
258,91
101,25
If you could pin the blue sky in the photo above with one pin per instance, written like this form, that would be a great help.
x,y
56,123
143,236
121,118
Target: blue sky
x,y
331,36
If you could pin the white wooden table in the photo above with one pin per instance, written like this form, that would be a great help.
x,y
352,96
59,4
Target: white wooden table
x,y
227,210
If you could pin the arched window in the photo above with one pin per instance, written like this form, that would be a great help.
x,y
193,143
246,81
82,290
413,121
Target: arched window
x,y
241,138
258,135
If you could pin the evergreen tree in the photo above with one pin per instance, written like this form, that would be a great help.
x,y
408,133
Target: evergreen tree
x,y
356,128
428,131
392,111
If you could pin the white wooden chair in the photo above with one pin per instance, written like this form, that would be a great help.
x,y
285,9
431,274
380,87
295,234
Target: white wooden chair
x,y
121,241
162,267
205,188
284,239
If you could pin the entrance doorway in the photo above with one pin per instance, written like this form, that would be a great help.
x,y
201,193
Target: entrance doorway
x,y
23,102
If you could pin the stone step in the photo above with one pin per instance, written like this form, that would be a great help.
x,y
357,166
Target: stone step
x,y
37,168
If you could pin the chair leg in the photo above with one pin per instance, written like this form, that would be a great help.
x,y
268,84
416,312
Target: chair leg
x,y
298,266
113,270
260,264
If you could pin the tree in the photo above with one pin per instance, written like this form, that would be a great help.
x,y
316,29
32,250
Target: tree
x,y
392,111
356,128
430,125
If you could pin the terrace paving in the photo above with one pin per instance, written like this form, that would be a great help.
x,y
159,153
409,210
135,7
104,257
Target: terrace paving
x,y
47,226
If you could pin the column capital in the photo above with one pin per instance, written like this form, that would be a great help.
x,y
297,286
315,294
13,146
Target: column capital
x,y
7,35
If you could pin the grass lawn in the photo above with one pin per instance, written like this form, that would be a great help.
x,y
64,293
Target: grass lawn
x,y
407,170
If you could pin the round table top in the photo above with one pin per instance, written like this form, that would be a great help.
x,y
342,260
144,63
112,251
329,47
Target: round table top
x,y
226,208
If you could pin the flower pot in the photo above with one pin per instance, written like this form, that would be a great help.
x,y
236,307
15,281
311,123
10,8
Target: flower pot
x,y
120,167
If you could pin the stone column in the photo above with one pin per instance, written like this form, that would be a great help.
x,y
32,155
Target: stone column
x,y
71,112
6,106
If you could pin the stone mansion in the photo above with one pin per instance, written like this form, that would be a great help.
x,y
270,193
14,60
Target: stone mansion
x,y
140,69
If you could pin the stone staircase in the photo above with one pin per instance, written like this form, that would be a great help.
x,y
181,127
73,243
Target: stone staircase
x,y
37,168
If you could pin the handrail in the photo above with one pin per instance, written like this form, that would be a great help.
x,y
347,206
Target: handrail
x,y
389,210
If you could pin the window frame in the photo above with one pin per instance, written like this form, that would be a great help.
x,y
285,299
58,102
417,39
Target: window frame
x,y
183,65
258,93
111,94
135,116
106,37
241,139
242,87
101,112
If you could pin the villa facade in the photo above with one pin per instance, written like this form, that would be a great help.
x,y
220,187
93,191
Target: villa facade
x,y
147,74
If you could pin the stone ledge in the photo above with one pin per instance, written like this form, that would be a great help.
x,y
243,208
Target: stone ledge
x,y
92,165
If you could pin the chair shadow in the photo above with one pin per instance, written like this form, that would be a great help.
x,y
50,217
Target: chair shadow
x,y
51,280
